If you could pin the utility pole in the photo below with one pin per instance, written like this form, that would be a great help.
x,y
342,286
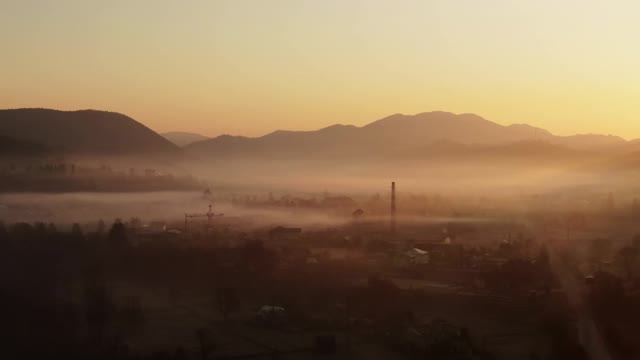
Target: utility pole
x,y
393,208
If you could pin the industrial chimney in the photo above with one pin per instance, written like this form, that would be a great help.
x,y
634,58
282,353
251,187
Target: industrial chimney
x,y
393,207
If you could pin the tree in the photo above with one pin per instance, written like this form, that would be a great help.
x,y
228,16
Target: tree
x,y
135,223
206,345
22,232
99,306
52,229
132,315
4,236
226,301
257,257
40,230
100,227
628,256
118,237
76,231
77,236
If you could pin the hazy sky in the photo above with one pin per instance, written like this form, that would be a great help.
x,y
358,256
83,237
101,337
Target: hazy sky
x,y
248,67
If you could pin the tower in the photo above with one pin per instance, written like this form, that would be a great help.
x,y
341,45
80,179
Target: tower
x,y
393,207
209,215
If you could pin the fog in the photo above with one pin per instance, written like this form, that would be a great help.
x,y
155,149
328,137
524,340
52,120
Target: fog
x,y
487,178
494,247
67,208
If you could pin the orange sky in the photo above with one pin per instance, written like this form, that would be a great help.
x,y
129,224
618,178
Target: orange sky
x,y
249,67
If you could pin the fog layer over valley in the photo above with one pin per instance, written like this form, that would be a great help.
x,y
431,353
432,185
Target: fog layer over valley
x,y
170,207
435,151
436,235
427,152
226,180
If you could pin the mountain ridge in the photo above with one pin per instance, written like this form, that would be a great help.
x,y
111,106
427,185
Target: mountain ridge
x,y
397,133
183,138
85,132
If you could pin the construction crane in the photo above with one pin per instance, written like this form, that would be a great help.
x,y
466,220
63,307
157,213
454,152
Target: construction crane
x,y
209,215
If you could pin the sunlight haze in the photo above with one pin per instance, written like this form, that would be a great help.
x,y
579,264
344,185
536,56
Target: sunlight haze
x,y
251,67
320,179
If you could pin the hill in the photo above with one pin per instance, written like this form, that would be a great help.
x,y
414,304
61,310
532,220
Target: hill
x,y
84,132
400,135
14,147
182,139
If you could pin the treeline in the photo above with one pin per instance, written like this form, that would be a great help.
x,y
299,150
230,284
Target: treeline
x,y
55,300
60,297
58,289
110,182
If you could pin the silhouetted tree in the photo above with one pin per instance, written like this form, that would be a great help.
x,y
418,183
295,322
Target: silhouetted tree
x,y
226,300
135,223
132,315
628,256
607,292
40,230
100,227
76,231
563,346
22,233
257,257
99,306
4,237
52,230
118,237
205,344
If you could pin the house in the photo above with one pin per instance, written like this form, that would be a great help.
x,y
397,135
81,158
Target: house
x,y
444,253
416,256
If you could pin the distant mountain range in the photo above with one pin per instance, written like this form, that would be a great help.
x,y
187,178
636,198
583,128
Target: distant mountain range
x,y
433,136
182,139
410,136
84,132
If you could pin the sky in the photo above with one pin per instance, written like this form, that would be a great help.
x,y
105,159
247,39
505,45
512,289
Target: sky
x,y
249,67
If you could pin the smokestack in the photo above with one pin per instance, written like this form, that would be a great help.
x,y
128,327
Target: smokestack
x,y
393,207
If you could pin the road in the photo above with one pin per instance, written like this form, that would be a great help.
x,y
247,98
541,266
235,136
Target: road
x,y
589,335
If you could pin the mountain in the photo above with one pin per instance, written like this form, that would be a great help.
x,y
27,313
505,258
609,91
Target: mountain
x,y
402,136
591,141
84,132
182,139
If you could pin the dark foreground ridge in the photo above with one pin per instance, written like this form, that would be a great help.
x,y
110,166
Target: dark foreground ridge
x,y
89,132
